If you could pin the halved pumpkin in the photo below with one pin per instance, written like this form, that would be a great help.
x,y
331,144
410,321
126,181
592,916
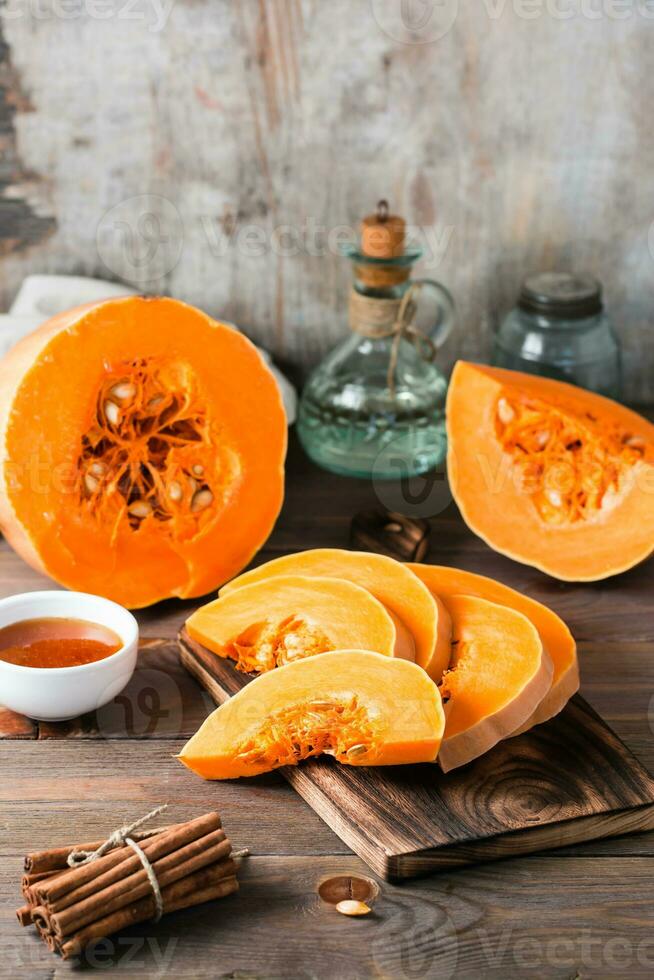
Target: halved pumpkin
x,y
393,584
288,617
360,707
141,450
549,474
499,675
557,639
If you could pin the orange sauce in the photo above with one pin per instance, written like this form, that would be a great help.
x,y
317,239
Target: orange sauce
x,y
56,642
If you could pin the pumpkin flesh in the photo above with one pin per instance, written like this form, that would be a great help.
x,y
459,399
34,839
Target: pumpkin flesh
x,y
288,617
393,584
555,635
499,675
360,707
131,464
550,474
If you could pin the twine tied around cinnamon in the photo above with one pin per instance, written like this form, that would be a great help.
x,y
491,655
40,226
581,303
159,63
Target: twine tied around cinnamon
x,y
380,319
118,838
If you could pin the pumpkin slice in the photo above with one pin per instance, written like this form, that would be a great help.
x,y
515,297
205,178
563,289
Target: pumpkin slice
x,y
549,474
393,584
288,617
555,635
360,707
499,675
141,450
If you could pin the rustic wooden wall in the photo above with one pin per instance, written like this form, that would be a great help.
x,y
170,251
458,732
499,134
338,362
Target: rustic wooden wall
x,y
204,147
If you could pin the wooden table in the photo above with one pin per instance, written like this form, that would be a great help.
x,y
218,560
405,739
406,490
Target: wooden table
x,y
586,911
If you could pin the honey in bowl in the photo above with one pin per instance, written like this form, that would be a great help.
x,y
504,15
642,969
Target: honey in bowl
x,y
56,642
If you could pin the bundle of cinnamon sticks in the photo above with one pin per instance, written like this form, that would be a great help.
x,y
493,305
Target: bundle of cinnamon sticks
x,y
73,907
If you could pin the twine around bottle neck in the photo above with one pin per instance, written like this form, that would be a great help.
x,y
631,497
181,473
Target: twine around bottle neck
x,y
381,318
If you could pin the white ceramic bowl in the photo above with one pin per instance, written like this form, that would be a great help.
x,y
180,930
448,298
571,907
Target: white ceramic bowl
x,y
60,693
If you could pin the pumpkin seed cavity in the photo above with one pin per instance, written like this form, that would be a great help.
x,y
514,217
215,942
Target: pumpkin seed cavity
x,y
570,467
263,646
139,456
329,726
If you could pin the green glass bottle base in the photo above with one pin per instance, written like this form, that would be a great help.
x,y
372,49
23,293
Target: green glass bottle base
x,y
404,451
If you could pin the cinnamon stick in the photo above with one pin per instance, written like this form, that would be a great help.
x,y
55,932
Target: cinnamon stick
x,y
55,858
71,907
51,890
202,887
131,867
137,886
24,915
28,880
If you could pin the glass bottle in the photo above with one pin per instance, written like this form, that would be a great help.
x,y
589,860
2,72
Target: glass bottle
x,y
560,329
375,406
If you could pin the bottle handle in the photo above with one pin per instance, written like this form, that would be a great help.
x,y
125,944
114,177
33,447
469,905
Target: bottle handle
x,y
446,318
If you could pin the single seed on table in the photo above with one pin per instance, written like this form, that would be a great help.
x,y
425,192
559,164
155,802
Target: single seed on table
x,y
140,508
174,490
112,412
350,906
123,391
505,411
201,500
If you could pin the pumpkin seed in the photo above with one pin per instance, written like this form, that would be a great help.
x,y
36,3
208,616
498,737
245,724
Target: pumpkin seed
x,y
505,412
554,497
174,490
112,412
90,483
349,906
140,508
123,391
201,500
198,469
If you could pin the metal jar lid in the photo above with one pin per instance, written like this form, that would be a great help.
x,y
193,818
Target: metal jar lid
x,y
561,295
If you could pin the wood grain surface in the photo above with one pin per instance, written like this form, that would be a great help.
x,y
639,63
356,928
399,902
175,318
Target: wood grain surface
x,y
564,782
216,150
581,911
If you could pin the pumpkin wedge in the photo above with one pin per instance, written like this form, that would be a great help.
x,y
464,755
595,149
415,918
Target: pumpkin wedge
x,y
392,583
498,677
555,635
288,617
549,474
361,707
141,450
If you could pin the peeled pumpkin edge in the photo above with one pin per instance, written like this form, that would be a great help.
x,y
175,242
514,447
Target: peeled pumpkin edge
x,y
469,744
556,637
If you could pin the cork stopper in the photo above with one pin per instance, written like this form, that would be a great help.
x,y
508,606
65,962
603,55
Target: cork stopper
x,y
383,234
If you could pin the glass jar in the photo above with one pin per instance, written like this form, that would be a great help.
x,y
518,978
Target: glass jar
x,y
560,330
359,418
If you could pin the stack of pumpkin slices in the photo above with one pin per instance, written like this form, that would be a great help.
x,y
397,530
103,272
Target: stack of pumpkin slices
x,y
375,663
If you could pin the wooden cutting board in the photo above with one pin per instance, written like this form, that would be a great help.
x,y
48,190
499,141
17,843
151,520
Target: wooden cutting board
x,y
564,782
